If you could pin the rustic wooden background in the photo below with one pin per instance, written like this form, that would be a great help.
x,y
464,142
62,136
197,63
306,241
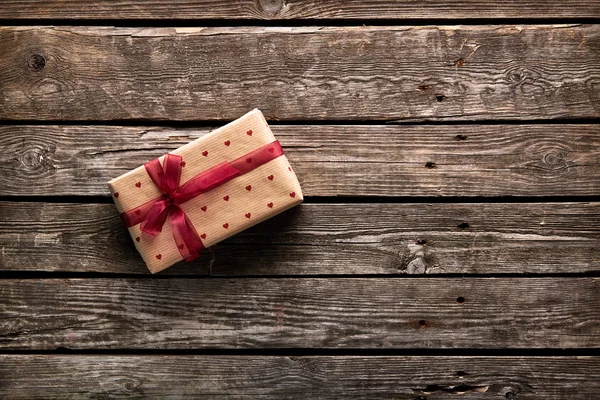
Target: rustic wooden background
x,y
449,245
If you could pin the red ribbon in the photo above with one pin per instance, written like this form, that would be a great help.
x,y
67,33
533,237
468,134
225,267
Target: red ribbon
x,y
152,215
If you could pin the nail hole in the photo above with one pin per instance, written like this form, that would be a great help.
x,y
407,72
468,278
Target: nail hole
x,y
460,299
430,164
460,62
460,137
36,62
440,97
464,225
422,323
461,373
421,242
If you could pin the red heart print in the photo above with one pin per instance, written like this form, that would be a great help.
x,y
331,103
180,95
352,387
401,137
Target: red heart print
x,y
271,149
116,195
227,143
293,194
205,153
248,215
203,208
137,239
270,205
226,225
249,132
249,160
226,198
159,256
138,212
270,177
203,236
180,246
249,187
138,184
182,164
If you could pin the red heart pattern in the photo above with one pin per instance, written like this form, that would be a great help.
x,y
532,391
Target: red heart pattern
x,y
116,195
225,198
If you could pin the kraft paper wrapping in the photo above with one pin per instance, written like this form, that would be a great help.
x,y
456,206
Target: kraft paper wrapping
x,y
224,211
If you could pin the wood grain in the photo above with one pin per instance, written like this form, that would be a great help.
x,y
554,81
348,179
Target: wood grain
x,y
369,313
43,376
296,9
317,239
399,73
353,160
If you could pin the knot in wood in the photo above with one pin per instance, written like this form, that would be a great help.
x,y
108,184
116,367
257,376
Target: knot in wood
x,y
271,7
554,158
515,77
36,62
32,157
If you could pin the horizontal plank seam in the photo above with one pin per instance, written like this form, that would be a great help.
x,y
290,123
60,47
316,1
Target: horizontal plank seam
x,y
41,275
341,199
248,22
145,123
505,352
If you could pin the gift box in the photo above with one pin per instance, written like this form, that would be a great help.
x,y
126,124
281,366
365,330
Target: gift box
x,y
206,191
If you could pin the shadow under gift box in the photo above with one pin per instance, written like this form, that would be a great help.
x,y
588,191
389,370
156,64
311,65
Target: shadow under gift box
x,y
224,211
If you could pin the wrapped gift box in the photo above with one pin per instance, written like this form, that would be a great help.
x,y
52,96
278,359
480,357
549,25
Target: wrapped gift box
x,y
247,179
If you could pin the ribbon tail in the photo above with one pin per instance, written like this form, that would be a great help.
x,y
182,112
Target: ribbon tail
x,y
155,218
186,238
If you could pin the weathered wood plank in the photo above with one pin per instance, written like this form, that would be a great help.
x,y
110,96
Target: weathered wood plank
x,y
320,239
296,9
300,313
429,160
301,73
44,376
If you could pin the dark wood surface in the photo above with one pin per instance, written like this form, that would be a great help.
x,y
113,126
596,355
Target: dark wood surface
x,y
402,73
324,239
33,376
322,313
448,246
354,160
359,10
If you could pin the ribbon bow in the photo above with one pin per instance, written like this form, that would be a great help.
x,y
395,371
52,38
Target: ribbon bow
x,y
153,214
166,178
